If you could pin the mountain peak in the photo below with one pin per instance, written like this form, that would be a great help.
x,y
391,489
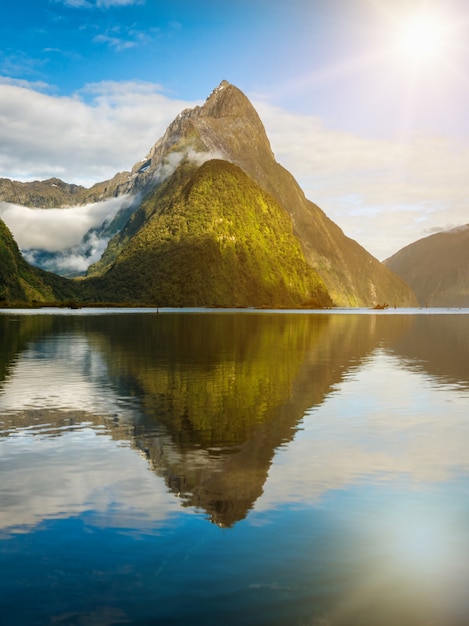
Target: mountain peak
x,y
221,128
226,100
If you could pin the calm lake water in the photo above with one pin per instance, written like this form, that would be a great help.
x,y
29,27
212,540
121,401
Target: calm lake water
x,y
234,468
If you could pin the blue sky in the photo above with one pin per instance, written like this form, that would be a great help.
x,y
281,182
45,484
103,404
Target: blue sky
x,y
374,129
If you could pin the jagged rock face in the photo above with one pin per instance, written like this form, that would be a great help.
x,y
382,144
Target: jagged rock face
x,y
227,127
436,267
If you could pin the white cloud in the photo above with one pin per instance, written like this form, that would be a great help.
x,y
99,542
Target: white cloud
x,y
105,128
124,38
105,4
115,42
71,261
77,4
26,84
96,474
56,229
117,3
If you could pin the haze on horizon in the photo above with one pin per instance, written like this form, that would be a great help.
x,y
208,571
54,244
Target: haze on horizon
x,y
364,101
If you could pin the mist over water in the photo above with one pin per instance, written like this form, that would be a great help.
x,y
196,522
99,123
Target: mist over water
x,y
178,467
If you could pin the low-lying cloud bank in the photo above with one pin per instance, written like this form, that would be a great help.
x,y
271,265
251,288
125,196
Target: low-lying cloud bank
x,y
385,194
68,240
57,229
72,261
64,241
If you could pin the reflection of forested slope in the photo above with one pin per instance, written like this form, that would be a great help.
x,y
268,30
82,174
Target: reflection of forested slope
x,y
223,387
230,389
212,379
16,331
438,344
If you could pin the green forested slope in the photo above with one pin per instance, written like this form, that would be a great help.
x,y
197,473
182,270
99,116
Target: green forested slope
x,y
20,282
209,237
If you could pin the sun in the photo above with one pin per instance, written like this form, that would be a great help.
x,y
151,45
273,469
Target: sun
x,y
423,37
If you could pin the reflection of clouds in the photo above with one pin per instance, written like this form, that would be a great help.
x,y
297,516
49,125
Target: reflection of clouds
x,y
83,470
59,374
381,423
53,386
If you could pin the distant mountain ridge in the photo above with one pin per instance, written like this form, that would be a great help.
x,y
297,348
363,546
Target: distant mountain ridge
x,y
55,193
436,268
226,128
42,194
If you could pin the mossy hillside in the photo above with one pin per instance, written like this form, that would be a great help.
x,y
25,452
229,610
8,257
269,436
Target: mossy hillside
x,y
9,284
211,237
20,282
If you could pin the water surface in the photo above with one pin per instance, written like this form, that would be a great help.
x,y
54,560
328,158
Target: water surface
x,y
235,467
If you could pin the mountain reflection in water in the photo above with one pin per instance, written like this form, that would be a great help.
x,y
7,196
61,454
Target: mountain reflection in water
x,y
237,415
207,398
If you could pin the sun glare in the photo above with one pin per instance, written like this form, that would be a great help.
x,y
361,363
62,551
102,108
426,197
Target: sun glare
x,y
423,546
423,38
